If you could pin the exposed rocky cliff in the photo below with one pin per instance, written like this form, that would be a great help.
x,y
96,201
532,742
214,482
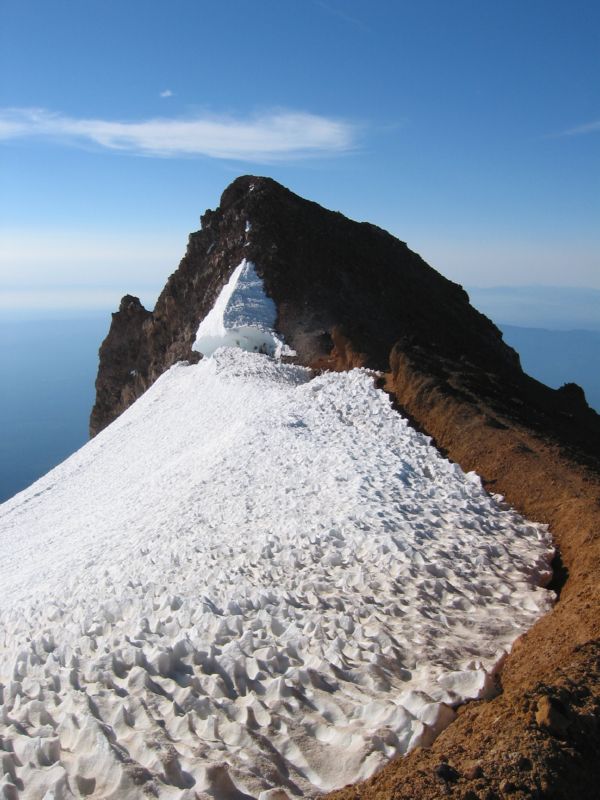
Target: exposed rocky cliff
x,y
338,285
349,294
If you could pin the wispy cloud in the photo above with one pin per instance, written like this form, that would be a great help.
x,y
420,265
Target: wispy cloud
x,y
166,93
274,136
589,127
342,14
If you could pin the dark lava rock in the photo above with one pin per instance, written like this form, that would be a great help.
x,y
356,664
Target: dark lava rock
x,y
446,773
473,772
332,279
347,294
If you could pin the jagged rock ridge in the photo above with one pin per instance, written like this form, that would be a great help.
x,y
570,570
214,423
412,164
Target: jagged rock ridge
x,y
338,286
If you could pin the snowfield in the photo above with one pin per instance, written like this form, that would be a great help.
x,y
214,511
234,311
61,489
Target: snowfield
x,y
250,568
255,581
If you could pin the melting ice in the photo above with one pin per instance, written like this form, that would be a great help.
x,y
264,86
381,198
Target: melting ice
x,y
243,316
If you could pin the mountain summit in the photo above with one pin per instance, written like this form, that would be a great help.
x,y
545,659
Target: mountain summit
x,y
344,293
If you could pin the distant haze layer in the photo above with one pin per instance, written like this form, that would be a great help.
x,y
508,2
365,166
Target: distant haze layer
x,y
552,307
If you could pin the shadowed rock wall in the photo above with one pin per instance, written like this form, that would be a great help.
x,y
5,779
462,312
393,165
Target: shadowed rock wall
x,y
326,274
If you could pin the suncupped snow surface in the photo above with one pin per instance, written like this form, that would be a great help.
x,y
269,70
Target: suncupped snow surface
x,y
254,581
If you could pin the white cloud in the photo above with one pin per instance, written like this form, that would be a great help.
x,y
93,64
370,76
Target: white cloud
x,y
166,93
343,15
590,127
269,137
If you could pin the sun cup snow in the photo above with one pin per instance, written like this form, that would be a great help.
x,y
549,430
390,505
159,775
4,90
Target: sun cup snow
x,y
254,578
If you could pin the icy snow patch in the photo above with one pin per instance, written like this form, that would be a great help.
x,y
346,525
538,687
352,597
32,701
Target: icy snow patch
x,y
251,581
243,316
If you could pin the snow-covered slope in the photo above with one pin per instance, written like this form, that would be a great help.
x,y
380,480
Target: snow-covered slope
x,y
254,581
254,568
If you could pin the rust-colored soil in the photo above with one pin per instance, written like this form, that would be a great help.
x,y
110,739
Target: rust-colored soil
x,y
541,736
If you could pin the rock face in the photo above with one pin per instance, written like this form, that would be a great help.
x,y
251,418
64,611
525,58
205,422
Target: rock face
x,y
349,294
344,291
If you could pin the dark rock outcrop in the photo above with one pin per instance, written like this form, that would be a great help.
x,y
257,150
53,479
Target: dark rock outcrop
x,y
332,279
347,294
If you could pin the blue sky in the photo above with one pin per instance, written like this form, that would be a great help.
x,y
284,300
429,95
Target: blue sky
x,y
470,129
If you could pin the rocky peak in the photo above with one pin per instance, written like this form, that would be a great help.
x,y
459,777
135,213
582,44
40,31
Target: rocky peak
x,y
346,294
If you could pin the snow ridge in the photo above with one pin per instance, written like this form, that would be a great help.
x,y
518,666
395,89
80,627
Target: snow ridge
x,y
254,578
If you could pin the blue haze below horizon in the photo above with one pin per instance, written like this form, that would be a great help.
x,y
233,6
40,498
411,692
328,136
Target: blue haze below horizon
x,y
48,369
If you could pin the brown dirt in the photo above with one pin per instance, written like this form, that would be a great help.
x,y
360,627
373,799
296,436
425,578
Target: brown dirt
x,y
541,736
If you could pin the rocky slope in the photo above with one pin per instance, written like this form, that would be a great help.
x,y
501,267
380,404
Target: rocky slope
x,y
349,294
